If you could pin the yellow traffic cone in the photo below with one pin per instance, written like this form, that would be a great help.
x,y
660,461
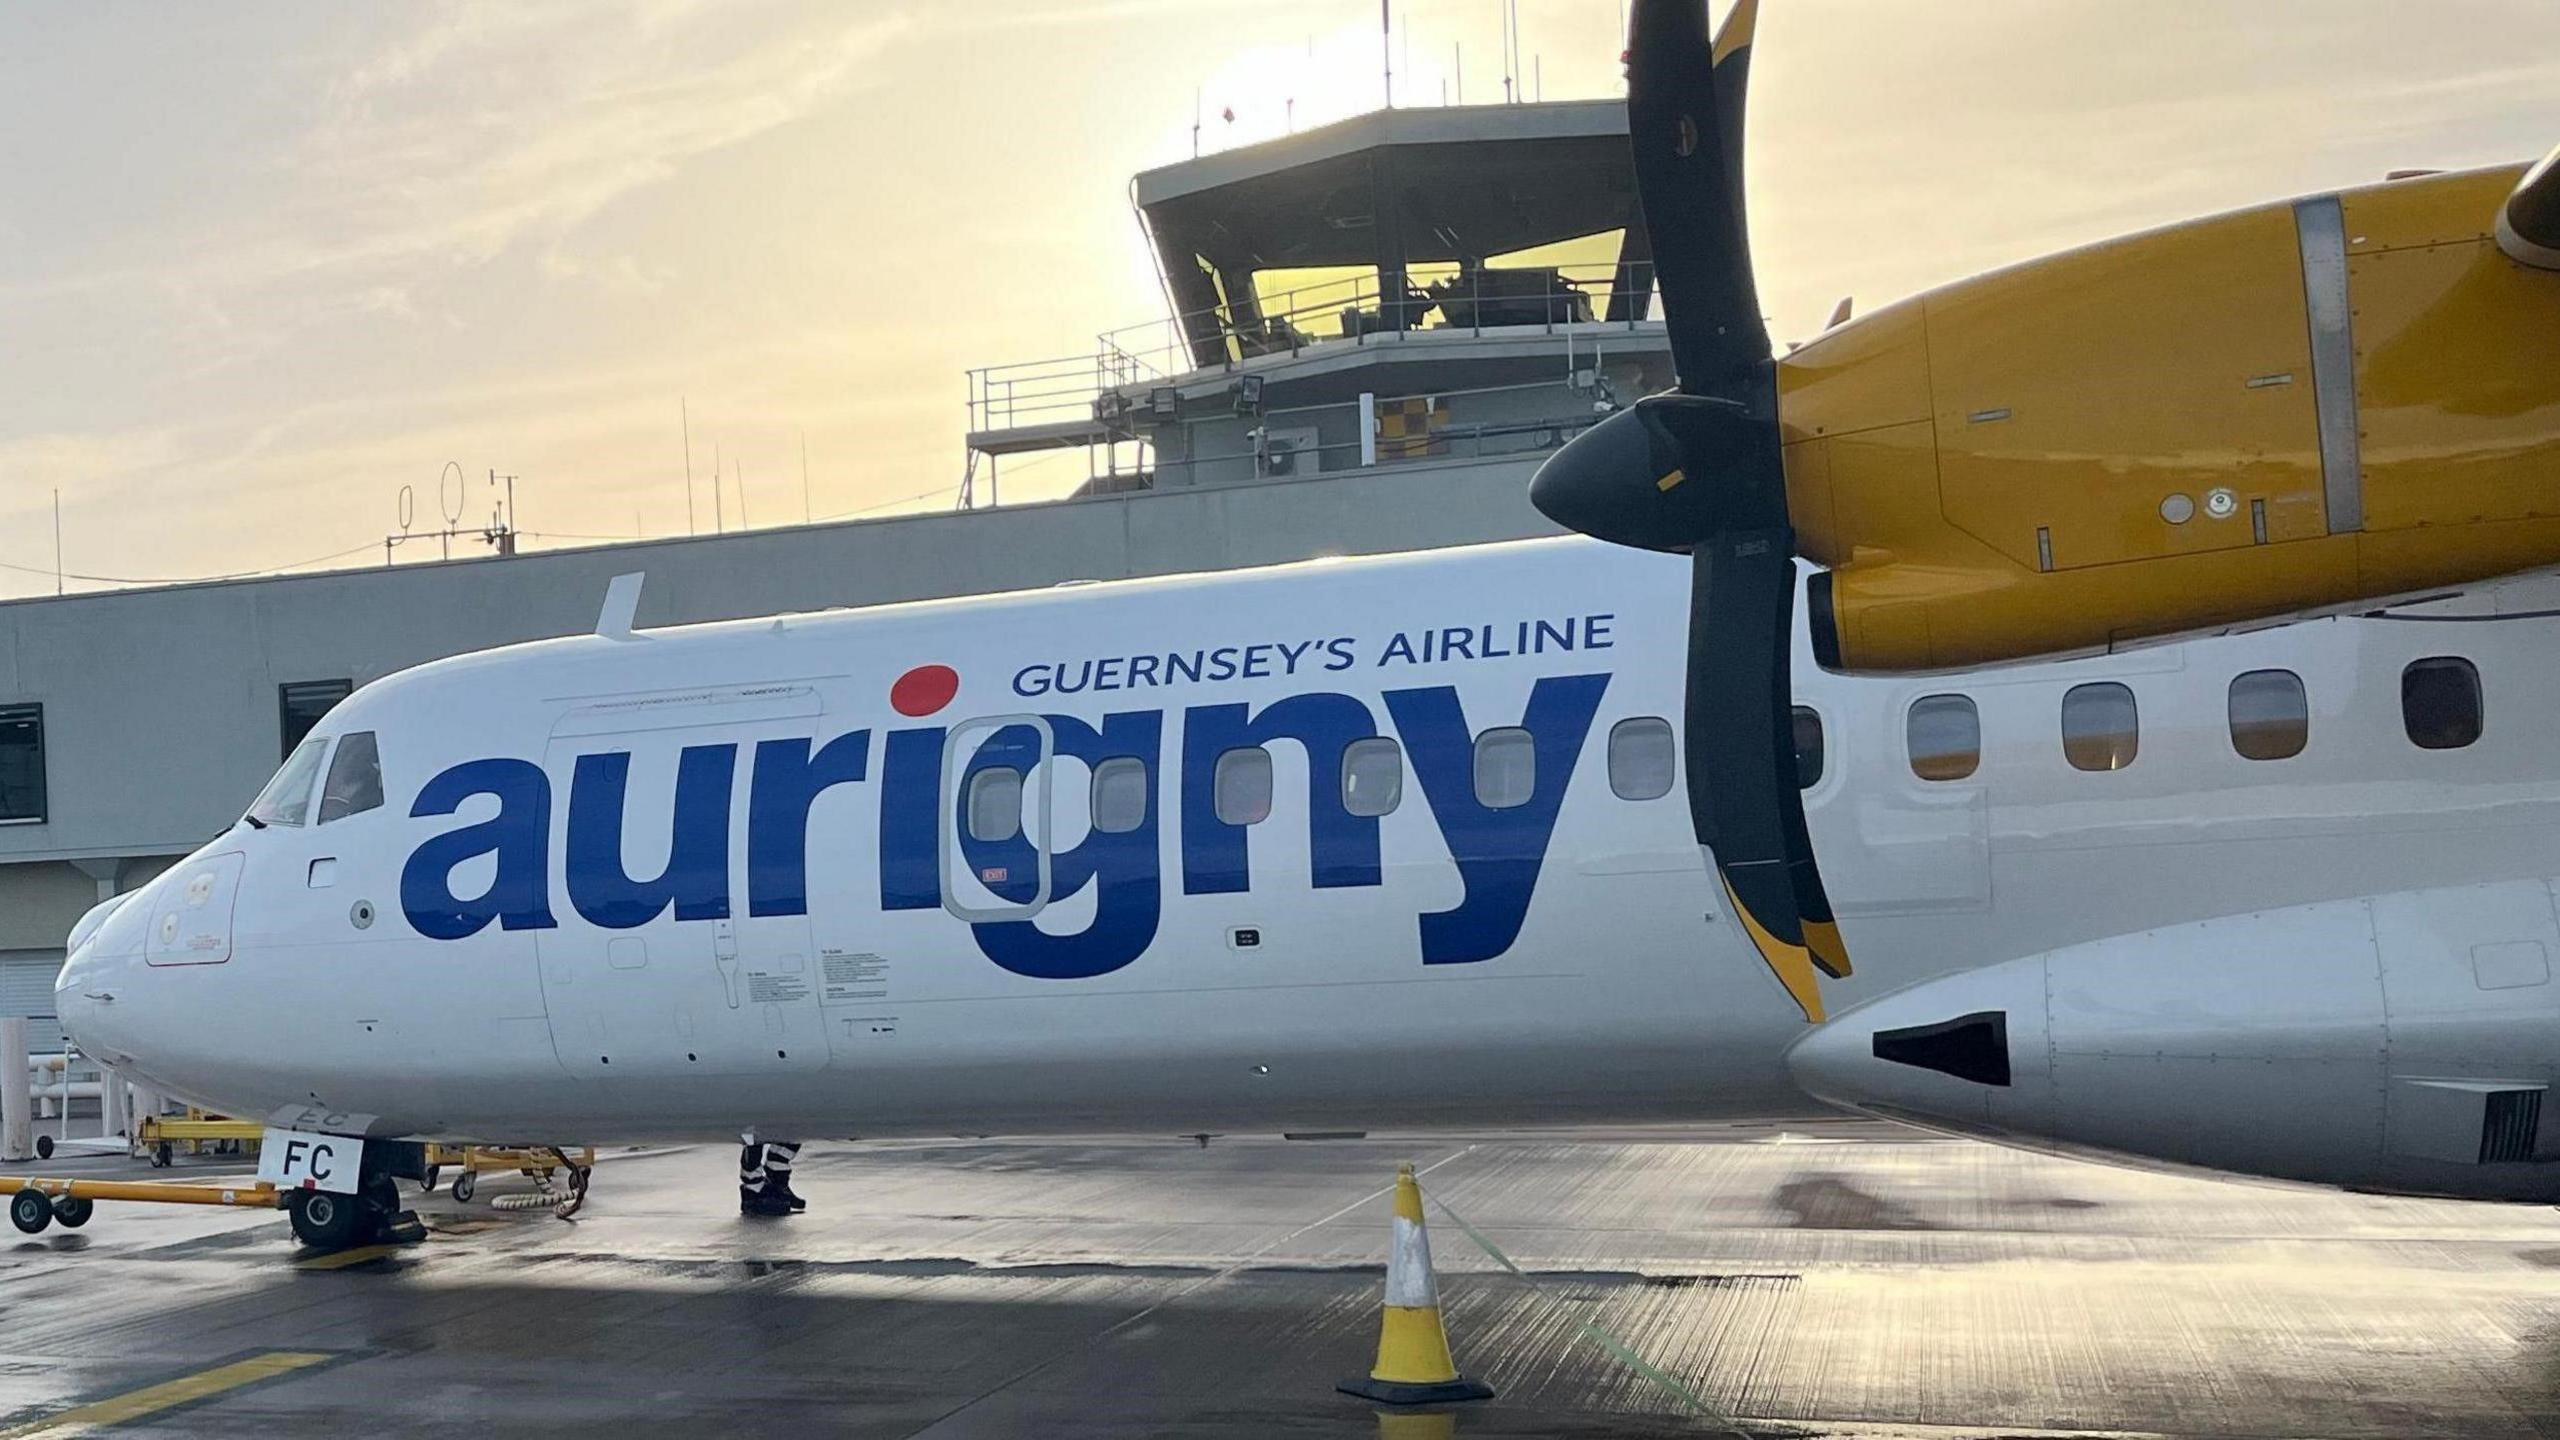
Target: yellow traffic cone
x,y
1414,1366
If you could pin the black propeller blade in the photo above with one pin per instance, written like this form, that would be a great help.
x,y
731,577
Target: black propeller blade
x,y
1700,469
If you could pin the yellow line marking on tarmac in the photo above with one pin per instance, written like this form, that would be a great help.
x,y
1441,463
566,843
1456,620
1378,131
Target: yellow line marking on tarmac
x,y
338,1260
169,1394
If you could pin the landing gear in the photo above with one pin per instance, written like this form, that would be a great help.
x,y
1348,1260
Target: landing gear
x,y
30,1211
322,1220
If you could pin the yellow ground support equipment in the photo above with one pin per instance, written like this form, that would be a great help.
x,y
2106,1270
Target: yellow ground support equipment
x,y
543,1164
37,1203
158,1136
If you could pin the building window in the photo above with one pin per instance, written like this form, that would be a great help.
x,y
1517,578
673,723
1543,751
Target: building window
x,y
1240,788
1944,733
355,778
1372,777
1808,737
1642,758
2440,702
301,703
2101,729
1506,768
2270,716
22,763
1119,794
995,803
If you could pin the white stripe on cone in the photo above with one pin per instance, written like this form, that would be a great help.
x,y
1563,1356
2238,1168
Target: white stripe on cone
x,y
1409,1282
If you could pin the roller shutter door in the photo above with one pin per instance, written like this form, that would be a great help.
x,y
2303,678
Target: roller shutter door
x,y
26,988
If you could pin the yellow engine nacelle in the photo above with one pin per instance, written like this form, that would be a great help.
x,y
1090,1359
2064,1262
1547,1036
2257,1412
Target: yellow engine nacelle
x,y
2279,409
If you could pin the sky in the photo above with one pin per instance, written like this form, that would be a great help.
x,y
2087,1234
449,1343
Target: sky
x,y
263,266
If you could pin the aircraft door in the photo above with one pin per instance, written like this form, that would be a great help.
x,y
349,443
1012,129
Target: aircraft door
x,y
657,967
998,817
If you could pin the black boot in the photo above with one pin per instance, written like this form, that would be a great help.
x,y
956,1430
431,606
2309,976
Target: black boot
x,y
782,1187
765,1203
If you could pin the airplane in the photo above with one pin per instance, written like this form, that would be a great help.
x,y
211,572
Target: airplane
x,y
1375,843
989,865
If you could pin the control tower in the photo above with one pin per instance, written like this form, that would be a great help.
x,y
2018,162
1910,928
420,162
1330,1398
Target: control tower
x,y
1462,286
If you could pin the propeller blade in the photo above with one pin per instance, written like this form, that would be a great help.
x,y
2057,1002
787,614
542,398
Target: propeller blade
x,y
1804,876
1738,736
1684,123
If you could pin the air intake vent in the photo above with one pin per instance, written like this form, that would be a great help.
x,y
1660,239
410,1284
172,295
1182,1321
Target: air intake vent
x,y
2508,1124
1969,1047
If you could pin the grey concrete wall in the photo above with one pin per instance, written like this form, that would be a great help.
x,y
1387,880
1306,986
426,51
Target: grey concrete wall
x,y
160,705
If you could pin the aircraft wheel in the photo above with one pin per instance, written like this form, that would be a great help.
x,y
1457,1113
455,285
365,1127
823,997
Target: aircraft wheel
x,y
30,1211
74,1212
324,1221
44,1147
465,1185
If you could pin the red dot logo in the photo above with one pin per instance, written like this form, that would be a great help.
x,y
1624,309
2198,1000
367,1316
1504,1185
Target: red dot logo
x,y
924,690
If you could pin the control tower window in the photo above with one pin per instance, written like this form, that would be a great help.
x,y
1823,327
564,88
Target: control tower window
x,y
22,798
287,798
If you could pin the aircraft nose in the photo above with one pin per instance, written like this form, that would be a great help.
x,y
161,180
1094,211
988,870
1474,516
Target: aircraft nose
x,y
1964,1052
93,996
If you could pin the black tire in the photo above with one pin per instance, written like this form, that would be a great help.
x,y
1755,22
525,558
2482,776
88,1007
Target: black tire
x,y
74,1212
30,1211
44,1147
465,1185
325,1221
161,1155
429,1183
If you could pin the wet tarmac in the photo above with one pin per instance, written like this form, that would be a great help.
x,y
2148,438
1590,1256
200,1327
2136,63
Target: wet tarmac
x,y
1845,1282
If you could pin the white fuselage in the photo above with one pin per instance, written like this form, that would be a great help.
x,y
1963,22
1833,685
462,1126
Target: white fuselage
x,y
713,878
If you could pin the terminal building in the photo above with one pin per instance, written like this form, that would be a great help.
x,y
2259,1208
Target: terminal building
x,y
1375,331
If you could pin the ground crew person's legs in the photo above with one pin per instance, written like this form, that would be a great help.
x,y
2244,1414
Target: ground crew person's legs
x,y
764,1177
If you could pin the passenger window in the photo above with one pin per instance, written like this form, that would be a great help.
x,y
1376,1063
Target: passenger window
x,y
1119,794
995,803
2270,716
1808,747
1944,733
1241,786
1372,777
287,798
2440,702
355,778
1642,758
2101,729
1506,768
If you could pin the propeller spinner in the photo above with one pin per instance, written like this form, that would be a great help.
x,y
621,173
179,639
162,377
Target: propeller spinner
x,y
1698,470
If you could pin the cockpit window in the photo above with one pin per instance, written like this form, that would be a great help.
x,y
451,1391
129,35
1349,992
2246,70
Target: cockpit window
x,y
355,778
287,798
